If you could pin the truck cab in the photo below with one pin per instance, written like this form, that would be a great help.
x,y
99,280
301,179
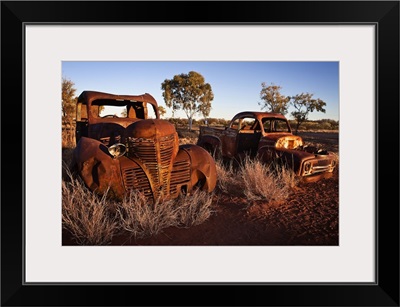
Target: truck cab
x,y
124,146
103,116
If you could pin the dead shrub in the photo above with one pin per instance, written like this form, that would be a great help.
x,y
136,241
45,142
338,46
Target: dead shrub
x,y
68,168
94,220
255,180
265,183
85,215
185,133
68,135
285,176
227,179
194,208
187,137
142,218
187,140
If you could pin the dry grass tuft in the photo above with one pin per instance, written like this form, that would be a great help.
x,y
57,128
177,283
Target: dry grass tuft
x,y
260,183
227,179
256,181
68,135
142,218
85,215
195,208
95,220
285,176
67,164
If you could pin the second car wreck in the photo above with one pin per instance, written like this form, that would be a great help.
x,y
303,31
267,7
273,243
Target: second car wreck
x,y
268,137
135,150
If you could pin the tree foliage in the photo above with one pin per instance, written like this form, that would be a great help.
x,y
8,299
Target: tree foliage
x,y
68,99
162,111
304,104
272,99
68,109
188,92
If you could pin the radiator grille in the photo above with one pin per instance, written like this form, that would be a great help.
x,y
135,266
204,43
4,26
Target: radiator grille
x,y
180,175
321,165
324,162
135,178
156,157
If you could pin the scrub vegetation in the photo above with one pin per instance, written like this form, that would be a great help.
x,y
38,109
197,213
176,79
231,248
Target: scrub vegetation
x,y
91,219
249,193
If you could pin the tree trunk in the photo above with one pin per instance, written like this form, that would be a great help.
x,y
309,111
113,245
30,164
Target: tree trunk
x,y
190,123
297,127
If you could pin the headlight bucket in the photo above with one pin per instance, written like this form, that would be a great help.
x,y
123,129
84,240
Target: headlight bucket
x,y
307,167
117,150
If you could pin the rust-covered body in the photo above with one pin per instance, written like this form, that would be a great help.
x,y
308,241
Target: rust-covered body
x,y
267,136
131,151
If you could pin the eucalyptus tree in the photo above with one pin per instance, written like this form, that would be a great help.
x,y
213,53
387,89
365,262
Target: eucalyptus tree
x,y
272,99
68,109
162,111
68,99
304,104
188,92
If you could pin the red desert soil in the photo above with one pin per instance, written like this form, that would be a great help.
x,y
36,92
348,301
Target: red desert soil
x,y
310,216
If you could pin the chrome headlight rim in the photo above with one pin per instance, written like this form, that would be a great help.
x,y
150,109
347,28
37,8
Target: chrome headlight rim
x,y
117,150
307,167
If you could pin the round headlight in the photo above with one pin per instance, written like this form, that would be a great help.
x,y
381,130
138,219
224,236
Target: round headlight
x,y
117,150
307,167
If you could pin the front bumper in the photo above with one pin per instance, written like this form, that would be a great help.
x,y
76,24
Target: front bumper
x,y
319,164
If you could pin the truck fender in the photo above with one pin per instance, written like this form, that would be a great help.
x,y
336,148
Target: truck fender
x,y
212,144
99,171
289,158
203,168
267,153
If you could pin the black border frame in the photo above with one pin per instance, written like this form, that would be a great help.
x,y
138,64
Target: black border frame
x,y
383,14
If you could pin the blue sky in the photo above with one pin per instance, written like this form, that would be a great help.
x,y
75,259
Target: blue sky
x,y
236,85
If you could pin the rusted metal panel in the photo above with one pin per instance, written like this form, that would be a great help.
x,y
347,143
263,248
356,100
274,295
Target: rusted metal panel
x,y
202,166
98,169
150,160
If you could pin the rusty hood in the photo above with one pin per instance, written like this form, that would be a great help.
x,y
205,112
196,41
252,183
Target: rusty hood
x,y
150,128
146,134
284,140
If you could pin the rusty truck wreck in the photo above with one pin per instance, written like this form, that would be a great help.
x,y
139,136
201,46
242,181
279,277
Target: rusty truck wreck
x,y
267,136
123,145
